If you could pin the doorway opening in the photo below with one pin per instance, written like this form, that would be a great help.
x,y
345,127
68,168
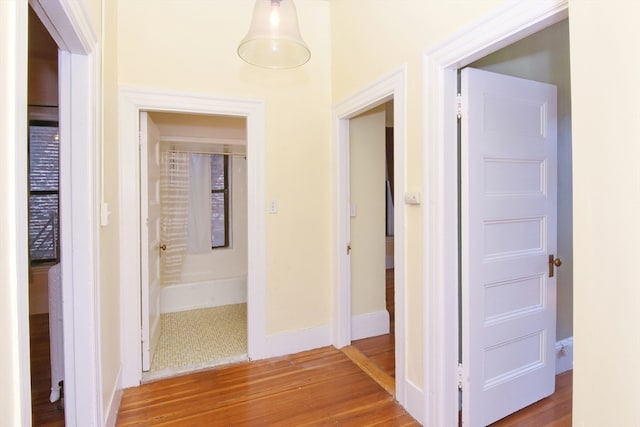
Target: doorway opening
x,y
250,113
371,211
541,57
194,225
45,320
389,89
508,24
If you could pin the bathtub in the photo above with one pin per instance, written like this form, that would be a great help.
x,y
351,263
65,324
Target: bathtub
x,y
213,293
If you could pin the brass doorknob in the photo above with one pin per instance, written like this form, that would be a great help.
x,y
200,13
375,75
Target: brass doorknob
x,y
553,261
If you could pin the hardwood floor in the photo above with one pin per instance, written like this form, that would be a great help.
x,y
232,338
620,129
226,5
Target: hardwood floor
x,y
43,412
554,411
380,350
319,387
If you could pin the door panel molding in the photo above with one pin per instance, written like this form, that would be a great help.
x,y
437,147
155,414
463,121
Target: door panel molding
x,y
508,308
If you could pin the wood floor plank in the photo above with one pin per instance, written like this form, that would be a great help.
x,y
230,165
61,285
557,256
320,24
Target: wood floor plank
x,y
320,387
43,412
380,351
383,379
554,411
315,388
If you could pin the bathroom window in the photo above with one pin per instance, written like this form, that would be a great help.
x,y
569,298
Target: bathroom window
x,y
44,173
219,201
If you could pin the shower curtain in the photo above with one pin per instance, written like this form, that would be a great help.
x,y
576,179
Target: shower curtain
x,y
174,212
199,224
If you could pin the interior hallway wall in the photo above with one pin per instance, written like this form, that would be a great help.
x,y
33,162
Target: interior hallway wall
x,y
156,51
367,198
14,310
606,200
109,294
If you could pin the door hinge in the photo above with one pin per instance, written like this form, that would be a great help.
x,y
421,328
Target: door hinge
x,y
460,376
459,105
139,138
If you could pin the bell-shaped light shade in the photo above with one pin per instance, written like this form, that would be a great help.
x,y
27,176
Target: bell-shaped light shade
x,y
274,39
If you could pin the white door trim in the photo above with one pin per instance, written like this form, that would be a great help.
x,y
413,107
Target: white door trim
x,y
80,116
389,87
132,101
504,26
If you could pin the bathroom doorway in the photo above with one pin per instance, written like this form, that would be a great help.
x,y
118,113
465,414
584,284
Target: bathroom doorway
x,y
193,179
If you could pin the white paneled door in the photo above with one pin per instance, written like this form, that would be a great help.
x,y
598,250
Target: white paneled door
x,y
150,229
508,213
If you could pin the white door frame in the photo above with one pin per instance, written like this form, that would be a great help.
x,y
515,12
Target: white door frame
x,y
132,101
389,87
506,25
80,116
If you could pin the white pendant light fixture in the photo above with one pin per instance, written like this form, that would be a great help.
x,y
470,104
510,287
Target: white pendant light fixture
x,y
274,39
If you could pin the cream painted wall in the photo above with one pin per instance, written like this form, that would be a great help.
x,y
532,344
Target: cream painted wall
x,y
14,393
190,46
390,34
544,57
109,241
605,66
605,156
367,197
94,11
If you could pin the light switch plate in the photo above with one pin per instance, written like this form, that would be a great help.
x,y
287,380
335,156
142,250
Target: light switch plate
x,y
412,198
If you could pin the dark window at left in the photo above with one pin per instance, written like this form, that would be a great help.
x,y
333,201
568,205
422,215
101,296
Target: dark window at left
x,y
44,180
219,201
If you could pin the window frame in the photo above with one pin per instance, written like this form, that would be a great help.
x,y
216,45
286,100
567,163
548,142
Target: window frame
x,y
47,123
227,202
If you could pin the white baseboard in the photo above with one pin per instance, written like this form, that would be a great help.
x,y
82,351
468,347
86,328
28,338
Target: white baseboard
x,y
114,404
564,355
297,341
415,401
369,324
192,296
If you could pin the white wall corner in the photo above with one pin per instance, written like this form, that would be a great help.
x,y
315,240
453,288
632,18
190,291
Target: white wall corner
x,y
564,355
369,324
298,341
113,405
415,401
